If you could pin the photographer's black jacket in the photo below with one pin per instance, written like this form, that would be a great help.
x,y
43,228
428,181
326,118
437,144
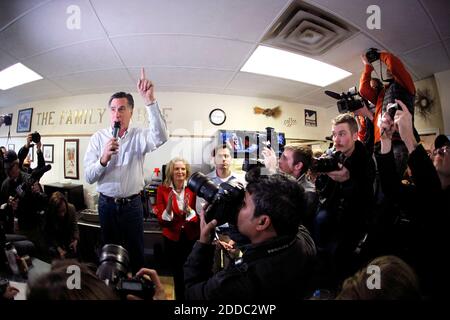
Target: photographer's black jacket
x,y
427,207
350,203
278,269
28,208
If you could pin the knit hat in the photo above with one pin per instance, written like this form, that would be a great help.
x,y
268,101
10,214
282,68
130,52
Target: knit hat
x,y
10,159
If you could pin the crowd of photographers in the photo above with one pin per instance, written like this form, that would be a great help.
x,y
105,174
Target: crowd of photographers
x,y
305,225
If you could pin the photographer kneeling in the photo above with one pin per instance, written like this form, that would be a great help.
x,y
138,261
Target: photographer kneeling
x,y
278,262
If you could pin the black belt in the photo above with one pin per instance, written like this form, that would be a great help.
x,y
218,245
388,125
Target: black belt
x,y
121,201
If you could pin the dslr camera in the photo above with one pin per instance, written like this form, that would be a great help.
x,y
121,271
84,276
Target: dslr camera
x,y
224,200
113,269
36,137
349,101
327,163
372,54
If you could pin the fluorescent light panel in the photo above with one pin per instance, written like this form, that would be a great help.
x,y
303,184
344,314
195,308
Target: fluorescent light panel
x,y
16,75
287,65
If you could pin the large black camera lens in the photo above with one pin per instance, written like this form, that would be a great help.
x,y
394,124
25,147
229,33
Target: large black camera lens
x,y
224,200
114,262
202,186
327,163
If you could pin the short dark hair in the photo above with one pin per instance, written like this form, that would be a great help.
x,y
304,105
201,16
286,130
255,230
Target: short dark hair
x,y
121,94
281,198
225,145
301,154
346,118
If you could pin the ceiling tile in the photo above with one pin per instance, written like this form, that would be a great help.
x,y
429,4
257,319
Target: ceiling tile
x,y
75,58
347,54
85,80
440,13
404,24
6,60
259,84
185,77
426,66
182,51
10,10
243,20
45,28
36,90
106,89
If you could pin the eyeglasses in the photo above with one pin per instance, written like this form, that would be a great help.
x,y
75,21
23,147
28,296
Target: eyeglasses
x,y
441,151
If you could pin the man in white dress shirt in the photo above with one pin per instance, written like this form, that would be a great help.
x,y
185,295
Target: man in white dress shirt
x,y
116,164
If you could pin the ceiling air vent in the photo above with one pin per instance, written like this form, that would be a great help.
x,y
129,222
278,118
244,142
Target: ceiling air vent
x,y
307,30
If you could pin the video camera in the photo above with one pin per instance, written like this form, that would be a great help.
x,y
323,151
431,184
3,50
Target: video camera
x,y
113,269
327,163
224,200
348,101
25,187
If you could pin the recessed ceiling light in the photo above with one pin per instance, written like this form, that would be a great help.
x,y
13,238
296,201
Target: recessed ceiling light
x,y
16,75
287,65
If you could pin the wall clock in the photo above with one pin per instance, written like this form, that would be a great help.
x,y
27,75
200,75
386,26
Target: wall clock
x,y
217,116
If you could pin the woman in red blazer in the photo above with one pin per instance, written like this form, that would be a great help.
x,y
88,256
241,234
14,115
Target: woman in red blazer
x,y
180,224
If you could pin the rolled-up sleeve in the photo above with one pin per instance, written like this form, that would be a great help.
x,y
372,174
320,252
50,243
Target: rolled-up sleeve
x,y
157,129
93,169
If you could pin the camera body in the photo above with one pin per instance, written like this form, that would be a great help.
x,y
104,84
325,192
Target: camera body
x,y
36,137
327,163
224,200
138,286
113,270
392,109
372,54
349,101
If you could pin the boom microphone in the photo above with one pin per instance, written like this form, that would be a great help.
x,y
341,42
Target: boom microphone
x,y
116,129
332,94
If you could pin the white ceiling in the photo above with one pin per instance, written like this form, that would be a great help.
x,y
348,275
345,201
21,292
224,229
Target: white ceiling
x,y
200,45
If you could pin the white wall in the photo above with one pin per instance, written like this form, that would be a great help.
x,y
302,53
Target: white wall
x,y
434,120
443,85
186,115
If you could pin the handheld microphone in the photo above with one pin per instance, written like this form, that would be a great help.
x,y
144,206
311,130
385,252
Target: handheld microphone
x,y
116,129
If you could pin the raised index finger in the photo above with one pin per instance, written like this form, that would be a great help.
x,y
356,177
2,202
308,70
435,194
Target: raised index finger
x,y
142,73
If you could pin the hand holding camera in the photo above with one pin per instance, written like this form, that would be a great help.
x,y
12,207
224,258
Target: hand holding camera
x,y
150,276
372,55
340,175
206,229
404,126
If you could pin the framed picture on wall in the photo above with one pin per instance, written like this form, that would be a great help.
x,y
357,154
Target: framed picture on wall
x,y
71,158
47,151
310,118
24,120
12,147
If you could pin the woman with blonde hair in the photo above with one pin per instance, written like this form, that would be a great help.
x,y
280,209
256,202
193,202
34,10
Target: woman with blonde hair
x,y
180,224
